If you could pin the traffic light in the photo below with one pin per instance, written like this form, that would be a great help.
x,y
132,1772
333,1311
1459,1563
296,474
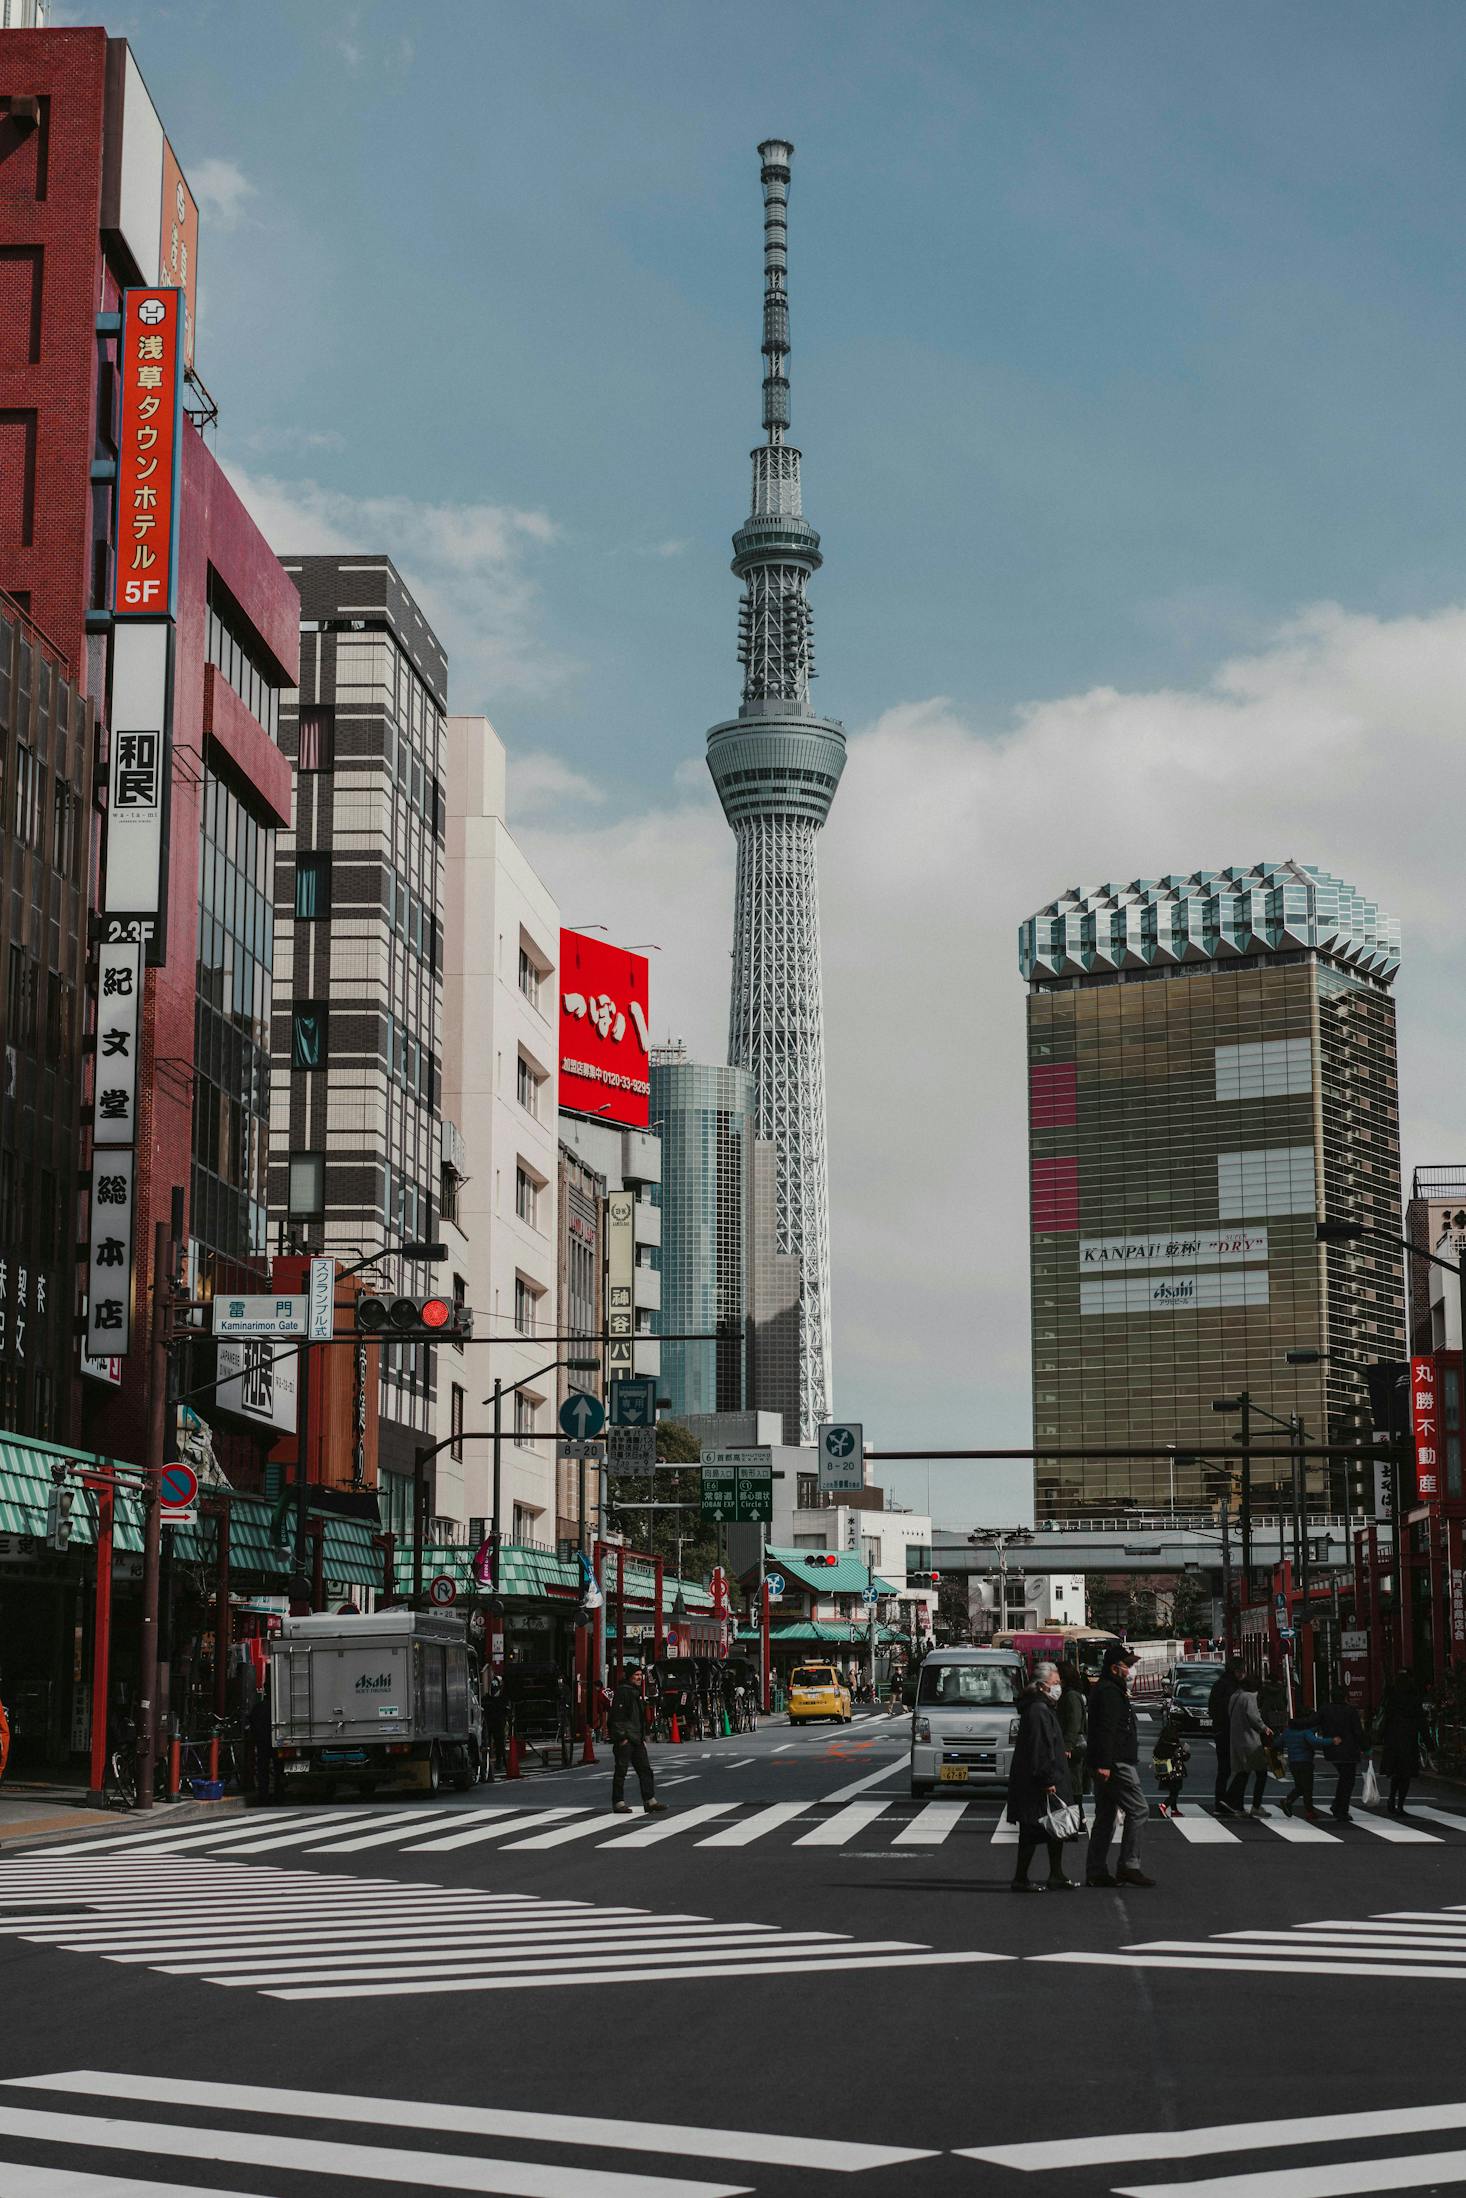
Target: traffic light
x,y
58,1515
821,1557
923,1579
413,1317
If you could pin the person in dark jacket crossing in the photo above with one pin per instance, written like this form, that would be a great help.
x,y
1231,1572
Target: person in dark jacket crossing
x,y
1114,1762
628,1747
1342,1723
1039,1779
1219,1710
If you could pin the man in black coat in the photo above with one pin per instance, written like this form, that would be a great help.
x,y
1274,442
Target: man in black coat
x,y
1342,1724
1039,1780
1219,1710
1114,1761
628,1747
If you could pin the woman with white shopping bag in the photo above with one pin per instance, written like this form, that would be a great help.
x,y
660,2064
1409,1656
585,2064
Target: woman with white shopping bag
x,y
1040,1788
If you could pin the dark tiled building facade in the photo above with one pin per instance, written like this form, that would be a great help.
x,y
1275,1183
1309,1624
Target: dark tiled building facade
x,y
1211,1068
45,771
357,1043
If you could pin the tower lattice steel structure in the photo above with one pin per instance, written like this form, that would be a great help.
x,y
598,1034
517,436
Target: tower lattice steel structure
x,y
776,766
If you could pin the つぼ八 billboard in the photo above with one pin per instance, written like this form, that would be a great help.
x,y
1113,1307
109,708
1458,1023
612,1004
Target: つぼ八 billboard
x,y
605,1035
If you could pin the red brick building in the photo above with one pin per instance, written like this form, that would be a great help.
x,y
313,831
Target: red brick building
x,y
92,202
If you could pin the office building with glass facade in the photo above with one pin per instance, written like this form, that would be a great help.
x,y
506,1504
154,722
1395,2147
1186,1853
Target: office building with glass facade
x,y
1211,1068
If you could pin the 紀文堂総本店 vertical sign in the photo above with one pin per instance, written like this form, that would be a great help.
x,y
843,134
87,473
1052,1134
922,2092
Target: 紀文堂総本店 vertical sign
x,y
1425,1426
109,1261
620,1284
149,452
114,1094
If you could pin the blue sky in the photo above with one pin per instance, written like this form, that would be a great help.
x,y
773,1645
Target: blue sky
x,y
1127,370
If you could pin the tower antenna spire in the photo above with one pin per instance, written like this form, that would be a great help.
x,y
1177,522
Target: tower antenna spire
x,y
776,767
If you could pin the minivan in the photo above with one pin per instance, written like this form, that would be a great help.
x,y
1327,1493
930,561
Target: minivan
x,y
965,1718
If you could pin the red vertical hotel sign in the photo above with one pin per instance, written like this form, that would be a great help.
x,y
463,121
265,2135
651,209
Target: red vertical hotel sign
x,y
1426,1426
148,452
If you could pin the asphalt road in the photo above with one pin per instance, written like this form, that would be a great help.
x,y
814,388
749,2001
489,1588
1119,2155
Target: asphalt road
x,y
799,1980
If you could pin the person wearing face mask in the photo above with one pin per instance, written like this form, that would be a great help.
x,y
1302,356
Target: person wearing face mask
x,y
1038,1780
1114,1762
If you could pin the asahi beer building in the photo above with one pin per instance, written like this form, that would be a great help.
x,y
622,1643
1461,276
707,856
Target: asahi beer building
x,y
1211,1068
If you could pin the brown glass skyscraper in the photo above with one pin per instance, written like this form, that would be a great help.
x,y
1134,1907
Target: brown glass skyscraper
x,y
1211,1067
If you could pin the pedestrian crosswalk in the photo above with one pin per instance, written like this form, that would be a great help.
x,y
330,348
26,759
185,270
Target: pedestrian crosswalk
x,y
260,2132
868,1825
306,1935
1428,1944
1280,2144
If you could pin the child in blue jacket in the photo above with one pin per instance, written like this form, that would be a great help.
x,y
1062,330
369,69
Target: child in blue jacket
x,y
1299,1741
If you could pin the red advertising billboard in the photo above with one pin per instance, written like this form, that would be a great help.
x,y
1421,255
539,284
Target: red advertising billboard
x,y
1426,1426
605,1034
149,425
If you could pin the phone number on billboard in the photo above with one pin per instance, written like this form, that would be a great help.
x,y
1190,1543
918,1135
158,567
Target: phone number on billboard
x,y
605,1076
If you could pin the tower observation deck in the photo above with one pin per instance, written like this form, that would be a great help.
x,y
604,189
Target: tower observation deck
x,y
776,766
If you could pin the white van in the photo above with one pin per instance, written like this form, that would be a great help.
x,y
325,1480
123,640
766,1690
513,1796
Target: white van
x,y
965,1718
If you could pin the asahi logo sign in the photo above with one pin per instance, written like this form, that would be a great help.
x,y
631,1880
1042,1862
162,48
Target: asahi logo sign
x,y
379,1682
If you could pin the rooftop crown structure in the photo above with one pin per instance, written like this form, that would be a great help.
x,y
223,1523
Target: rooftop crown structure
x,y
776,766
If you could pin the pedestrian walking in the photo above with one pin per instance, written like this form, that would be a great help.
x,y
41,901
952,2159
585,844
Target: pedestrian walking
x,y
1249,1736
1300,1738
628,1748
1039,1781
1168,1760
496,1722
1341,1721
1218,1707
262,1740
1073,1713
1114,1763
1403,1733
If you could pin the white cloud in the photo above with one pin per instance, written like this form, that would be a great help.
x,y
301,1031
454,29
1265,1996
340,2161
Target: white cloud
x,y
222,189
1338,742
296,439
467,564
541,784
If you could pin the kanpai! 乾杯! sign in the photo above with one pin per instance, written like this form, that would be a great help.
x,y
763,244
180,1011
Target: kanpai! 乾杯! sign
x,y
605,1037
150,414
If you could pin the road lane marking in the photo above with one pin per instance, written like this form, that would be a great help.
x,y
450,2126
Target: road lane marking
x,y
931,1825
494,1827
1300,1831
1003,1831
648,1835
754,1827
435,1820
1340,2180
1204,1831
1201,2144
692,1972
1390,1827
456,2171
871,1778
838,2155
568,1956
561,1834
843,1825
1215,1959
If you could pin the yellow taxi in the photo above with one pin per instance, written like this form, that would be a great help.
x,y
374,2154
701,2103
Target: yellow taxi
x,y
817,1690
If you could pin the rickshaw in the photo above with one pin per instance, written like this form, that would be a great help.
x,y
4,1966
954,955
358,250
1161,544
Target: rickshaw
x,y
674,1689
539,1709
741,1693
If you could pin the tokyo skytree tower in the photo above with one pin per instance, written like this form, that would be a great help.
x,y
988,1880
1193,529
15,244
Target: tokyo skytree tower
x,y
776,766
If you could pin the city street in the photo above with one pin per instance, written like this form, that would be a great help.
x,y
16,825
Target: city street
x,y
630,2006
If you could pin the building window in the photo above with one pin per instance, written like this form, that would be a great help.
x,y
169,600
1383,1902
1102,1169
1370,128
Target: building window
x,y
236,651
529,1087
312,888
526,1414
525,1522
526,1306
526,1197
27,796
23,992
531,977
455,1422
808,1491
307,1186
308,1035
63,828
316,749
448,1187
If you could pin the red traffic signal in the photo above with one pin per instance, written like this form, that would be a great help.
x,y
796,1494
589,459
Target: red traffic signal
x,y
821,1557
406,1316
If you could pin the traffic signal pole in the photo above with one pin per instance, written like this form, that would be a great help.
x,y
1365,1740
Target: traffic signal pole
x,y
147,1701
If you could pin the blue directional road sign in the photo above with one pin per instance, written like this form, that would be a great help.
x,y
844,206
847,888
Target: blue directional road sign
x,y
775,1585
634,1401
870,1595
582,1417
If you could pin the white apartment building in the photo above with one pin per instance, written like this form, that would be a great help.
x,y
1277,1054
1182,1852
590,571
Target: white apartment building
x,y
500,1149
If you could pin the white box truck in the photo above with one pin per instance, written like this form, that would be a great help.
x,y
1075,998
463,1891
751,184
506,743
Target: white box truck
x,y
382,1698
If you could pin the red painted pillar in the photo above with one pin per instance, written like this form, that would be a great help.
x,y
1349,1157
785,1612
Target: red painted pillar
x,y
1373,1619
102,1631
763,1649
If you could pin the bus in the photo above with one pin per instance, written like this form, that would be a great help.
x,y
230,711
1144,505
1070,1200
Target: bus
x,y
1081,1645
